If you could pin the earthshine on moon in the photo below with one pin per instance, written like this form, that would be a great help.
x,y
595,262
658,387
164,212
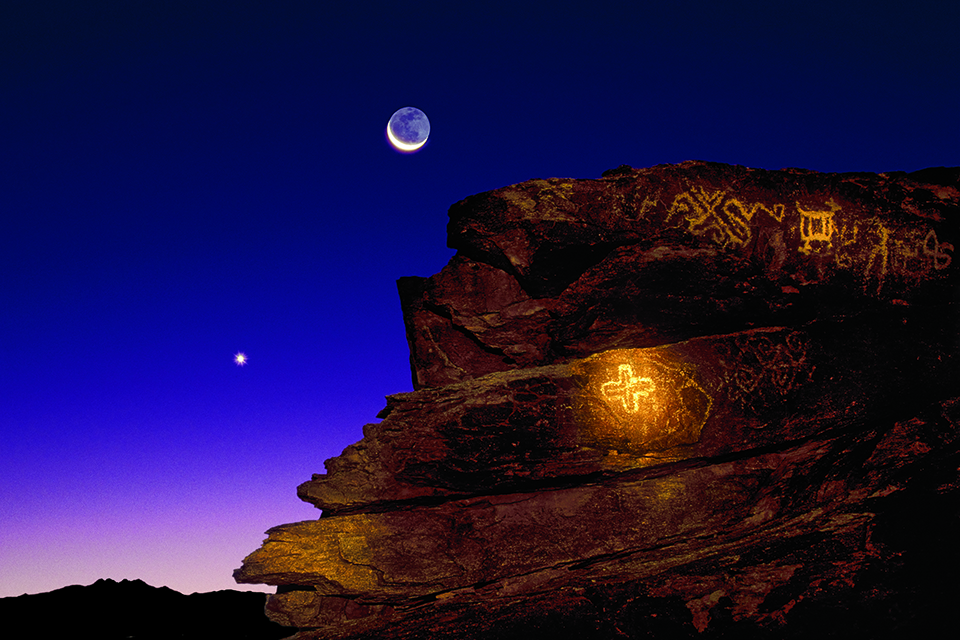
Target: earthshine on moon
x,y
408,129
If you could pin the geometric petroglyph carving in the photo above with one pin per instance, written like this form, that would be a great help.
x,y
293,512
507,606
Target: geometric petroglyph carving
x,y
876,251
762,368
628,388
934,249
872,248
639,400
718,215
816,226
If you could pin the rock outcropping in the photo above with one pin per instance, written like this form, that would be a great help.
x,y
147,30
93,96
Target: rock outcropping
x,y
689,400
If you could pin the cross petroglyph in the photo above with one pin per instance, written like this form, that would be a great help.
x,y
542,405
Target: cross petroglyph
x,y
628,389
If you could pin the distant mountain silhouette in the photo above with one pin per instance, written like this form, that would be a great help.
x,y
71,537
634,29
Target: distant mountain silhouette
x,y
132,609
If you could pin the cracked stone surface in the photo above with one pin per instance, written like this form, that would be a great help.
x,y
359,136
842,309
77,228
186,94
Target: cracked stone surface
x,y
561,268
694,400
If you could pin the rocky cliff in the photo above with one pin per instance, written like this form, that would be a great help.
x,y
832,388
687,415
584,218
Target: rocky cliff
x,y
693,400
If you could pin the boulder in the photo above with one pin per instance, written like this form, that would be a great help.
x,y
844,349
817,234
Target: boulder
x,y
692,400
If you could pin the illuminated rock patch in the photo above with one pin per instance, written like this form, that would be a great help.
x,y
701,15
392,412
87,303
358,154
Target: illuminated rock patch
x,y
635,400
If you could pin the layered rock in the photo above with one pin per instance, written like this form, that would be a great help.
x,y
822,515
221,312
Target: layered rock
x,y
684,400
560,269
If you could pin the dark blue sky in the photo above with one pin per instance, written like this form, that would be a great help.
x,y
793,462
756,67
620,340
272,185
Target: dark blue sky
x,y
180,181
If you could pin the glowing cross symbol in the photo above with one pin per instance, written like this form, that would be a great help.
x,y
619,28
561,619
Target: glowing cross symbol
x,y
628,389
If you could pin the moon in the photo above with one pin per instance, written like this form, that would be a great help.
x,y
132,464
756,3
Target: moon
x,y
408,129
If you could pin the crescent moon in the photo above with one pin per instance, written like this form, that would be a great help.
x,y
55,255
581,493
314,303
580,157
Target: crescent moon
x,y
403,146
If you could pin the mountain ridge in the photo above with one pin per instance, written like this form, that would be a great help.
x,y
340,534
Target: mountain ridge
x,y
108,609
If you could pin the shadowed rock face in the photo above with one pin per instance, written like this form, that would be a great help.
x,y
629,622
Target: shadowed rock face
x,y
692,400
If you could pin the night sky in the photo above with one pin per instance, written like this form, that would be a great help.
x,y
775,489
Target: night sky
x,y
183,181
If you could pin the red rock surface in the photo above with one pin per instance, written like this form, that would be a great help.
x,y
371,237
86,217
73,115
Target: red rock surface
x,y
693,400
550,270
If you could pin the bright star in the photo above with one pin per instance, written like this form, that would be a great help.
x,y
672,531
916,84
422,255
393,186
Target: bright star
x,y
240,358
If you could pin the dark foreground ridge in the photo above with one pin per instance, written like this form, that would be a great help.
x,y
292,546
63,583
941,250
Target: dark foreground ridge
x,y
690,401
109,610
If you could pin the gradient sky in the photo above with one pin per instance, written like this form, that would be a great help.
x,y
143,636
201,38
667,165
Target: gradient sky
x,y
180,181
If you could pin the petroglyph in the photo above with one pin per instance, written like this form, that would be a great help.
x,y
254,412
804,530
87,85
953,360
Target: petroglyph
x,y
724,219
934,249
648,204
762,369
879,257
639,400
816,228
875,250
628,389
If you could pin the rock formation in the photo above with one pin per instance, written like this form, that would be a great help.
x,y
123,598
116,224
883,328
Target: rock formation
x,y
691,400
